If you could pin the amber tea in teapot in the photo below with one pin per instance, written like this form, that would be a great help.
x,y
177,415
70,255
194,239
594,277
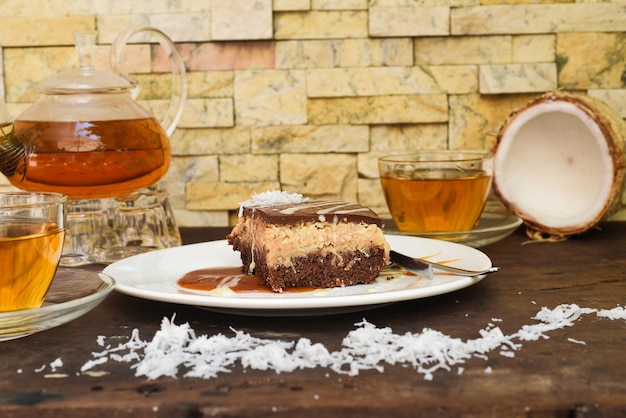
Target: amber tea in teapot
x,y
91,159
85,135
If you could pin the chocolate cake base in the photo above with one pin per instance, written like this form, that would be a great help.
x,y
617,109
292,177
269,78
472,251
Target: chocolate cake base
x,y
322,271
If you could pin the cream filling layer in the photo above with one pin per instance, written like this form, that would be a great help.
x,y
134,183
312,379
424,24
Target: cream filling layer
x,y
285,243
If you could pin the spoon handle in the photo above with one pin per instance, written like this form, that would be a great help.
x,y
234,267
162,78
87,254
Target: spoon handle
x,y
412,262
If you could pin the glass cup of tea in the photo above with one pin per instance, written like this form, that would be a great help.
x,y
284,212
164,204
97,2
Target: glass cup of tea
x,y
32,229
436,191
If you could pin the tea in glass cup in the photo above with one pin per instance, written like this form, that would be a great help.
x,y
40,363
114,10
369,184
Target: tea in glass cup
x,y
32,229
436,191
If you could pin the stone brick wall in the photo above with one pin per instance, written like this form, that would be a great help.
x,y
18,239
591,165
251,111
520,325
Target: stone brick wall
x,y
303,95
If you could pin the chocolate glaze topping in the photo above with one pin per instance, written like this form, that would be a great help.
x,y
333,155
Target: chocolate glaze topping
x,y
330,211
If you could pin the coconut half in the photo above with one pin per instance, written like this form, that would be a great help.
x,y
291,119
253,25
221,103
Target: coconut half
x,y
559,164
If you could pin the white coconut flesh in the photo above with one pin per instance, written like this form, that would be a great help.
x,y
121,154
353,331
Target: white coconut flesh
x,y
553,164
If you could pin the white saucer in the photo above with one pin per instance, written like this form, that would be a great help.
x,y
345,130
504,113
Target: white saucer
x,y
495,223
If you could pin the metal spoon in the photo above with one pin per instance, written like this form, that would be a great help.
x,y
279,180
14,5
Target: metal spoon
x,y
422,266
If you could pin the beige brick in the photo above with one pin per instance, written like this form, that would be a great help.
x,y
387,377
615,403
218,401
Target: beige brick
x,y
135,59
55,8
248,167
339,4
210,84
43,63
46,62
463,50
310,139
379,109
319,176
4,182
620,216
475,119
175,190
158,108
210,141
221,195
425,3
208,113
16,109
154,86
183,217
197,218
534,48
409,21
614,98
320,24
370,194
2,91
392,139
367,163
45,8
125,7
371,81
275,97
517,78
25,68
197,113
184,169
179,27
590,60
514,2
182,27
455,79
291,5
344,53
397,139
233,55
4,188
231,20
538,18
44,31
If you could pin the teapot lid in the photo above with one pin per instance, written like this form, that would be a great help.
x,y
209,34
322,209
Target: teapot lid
x,y
85,79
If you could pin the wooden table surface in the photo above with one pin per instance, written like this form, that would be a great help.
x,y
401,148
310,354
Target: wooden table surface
x,y
576,371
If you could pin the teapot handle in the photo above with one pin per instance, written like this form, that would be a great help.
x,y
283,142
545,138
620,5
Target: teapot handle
x,y
179,76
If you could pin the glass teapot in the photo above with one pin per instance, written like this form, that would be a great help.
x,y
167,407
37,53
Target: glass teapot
x,y
85,135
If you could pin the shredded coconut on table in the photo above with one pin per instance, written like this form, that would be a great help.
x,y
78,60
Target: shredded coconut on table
x,y
615,313
175,349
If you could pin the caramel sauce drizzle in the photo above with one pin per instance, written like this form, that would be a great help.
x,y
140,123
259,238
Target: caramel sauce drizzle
x,y
212,278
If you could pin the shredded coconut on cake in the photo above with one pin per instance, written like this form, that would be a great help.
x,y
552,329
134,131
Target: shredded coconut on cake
x,y
271,197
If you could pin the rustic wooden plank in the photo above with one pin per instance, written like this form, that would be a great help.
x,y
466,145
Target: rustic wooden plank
x,y
577,371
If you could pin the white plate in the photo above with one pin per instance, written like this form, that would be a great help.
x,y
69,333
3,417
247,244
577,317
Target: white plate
x,y
154,276
495,223
73,293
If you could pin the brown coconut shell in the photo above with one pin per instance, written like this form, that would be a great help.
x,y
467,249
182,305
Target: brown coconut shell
x,y
613,130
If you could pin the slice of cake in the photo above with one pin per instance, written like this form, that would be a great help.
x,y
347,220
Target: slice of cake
x,y
290,241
